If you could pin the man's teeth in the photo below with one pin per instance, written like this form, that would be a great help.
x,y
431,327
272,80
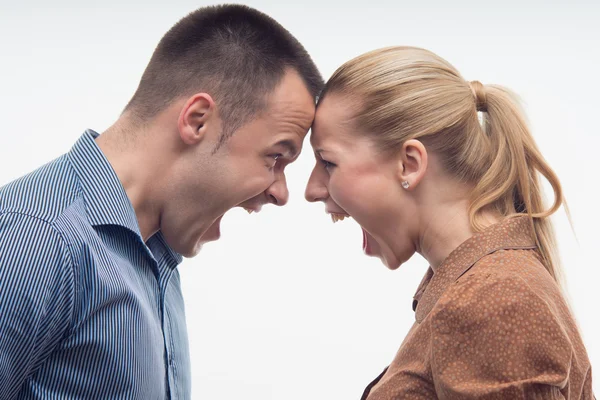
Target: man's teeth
x,y
250,211
337,217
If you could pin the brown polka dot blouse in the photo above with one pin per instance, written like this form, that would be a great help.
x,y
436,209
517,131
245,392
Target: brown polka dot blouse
x,y
491,323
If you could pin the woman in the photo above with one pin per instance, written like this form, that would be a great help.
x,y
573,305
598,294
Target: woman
x,y
427,162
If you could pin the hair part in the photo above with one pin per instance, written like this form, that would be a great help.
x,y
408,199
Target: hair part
x,y
412,93
233,52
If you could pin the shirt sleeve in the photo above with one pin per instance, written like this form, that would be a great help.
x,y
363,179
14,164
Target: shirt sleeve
x,y
495,338
36,297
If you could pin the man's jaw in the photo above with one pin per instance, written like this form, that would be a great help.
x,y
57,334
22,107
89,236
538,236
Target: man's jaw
x,y
253,205
213,232
251,210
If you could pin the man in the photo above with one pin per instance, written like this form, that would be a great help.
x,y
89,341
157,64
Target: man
x,y
90,301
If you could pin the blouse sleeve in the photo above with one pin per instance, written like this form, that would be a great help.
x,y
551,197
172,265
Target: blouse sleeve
x,y
495,338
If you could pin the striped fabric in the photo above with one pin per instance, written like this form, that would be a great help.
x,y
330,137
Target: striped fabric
x,y
87,309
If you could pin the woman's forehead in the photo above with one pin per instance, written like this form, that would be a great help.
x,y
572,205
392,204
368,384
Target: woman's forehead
x,y
334,117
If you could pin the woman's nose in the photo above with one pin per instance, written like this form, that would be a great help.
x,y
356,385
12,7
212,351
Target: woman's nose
x,y
315,189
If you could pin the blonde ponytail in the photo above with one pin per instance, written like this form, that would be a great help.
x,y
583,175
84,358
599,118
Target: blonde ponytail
x,y
511,184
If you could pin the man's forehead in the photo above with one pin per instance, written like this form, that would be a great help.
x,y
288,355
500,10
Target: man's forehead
x,y
289,129
293,112
292,103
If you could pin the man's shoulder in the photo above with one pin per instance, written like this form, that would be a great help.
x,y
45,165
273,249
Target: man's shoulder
x,y
44,193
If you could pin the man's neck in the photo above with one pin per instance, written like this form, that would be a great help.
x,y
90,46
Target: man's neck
x,y
133,158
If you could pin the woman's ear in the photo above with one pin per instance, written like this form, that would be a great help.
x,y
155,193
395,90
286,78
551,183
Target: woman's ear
x,y
412,163
197,117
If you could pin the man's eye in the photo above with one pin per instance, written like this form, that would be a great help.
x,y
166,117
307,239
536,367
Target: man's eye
x,y
275,157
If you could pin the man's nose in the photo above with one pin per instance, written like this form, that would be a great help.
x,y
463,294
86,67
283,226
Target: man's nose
x,y
315,189
278,193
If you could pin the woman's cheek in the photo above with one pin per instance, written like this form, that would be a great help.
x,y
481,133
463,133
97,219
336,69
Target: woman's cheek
x,y
343,194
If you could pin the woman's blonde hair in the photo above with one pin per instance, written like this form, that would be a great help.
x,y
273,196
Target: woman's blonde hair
x,y
410,93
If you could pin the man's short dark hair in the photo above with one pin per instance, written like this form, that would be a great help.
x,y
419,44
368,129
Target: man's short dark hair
x,y
233,52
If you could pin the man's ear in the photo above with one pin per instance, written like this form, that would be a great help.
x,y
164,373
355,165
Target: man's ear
x,y
197,117
412,163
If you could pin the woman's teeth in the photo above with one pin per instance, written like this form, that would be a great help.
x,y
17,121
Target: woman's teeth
x,y
338,217
250,211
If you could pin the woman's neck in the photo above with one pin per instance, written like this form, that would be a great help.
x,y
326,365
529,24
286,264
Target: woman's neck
x,y
446,227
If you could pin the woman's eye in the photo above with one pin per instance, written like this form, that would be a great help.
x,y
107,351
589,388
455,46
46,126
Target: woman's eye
x,y
328,165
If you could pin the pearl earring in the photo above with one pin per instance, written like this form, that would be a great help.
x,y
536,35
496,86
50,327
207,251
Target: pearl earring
x,y
405,184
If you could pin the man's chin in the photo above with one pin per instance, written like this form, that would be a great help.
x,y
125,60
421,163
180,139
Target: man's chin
x,y
192,252
187,251
203,240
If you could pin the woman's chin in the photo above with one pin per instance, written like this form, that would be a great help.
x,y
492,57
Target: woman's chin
x,y
392,264
372,248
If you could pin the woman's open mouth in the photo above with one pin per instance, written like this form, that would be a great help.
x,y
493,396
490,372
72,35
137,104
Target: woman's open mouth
x,y
366,247
335,217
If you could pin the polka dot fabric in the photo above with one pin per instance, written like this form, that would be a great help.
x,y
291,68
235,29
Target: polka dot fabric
x,y
491,323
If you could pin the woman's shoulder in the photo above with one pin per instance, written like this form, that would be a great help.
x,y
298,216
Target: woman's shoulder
x,y
503,327
506,282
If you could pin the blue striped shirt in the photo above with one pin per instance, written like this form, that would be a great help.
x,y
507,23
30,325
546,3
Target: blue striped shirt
x,y
87,309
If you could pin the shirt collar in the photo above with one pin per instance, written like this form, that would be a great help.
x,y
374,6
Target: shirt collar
x,y
159,247
105,198
512,233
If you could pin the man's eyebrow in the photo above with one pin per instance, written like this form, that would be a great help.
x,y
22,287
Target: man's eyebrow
x,y
292,150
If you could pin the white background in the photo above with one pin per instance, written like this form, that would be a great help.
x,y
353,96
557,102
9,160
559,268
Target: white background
x,y
285,306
